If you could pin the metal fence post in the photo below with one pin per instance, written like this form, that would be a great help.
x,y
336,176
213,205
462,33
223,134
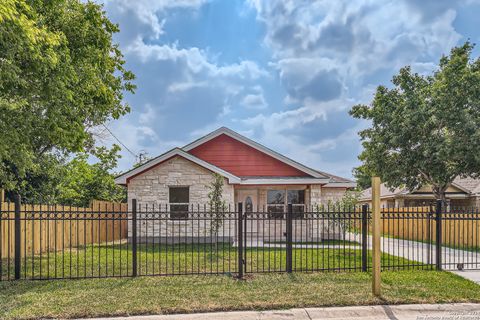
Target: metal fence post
x,y
134,237
240,262
289,238
438,238
18,237
364,237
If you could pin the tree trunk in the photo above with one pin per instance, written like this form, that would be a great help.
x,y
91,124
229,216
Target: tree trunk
x,y
439,192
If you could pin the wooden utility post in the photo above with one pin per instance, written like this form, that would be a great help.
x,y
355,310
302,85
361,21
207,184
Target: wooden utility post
x,y
376,222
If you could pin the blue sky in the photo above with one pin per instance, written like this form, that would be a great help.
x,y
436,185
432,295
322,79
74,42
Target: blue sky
x,y
284,73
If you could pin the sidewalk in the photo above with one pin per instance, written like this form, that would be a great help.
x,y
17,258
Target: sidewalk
x,y
459,311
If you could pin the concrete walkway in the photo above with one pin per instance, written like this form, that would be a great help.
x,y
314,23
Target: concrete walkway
x,y
460,311
473,275
423,252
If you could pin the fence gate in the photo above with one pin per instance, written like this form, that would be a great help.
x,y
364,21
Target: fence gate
x,y
303,238
460,238
267,241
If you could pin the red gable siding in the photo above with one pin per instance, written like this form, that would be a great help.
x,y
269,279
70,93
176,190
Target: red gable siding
x,y
242,160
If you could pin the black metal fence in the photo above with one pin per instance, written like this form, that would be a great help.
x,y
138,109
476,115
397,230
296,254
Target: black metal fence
x,y
148,240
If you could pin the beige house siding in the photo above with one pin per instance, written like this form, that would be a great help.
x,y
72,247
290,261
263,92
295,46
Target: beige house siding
x,y
332,195
152,186
326,196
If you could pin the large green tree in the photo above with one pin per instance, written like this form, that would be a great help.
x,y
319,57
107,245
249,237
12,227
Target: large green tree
x,y
84,182
425,130
61,76
74,181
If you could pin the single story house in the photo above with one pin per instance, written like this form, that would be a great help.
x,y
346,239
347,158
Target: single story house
x,y
464,192
260,178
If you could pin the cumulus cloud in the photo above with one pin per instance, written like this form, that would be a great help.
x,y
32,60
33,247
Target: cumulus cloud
x,y
331,55
181,88
142,17
313,62
254,99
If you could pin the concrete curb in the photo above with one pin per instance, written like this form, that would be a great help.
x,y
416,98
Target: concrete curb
x,y
458,311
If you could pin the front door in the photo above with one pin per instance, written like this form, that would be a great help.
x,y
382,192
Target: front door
x,y
249,199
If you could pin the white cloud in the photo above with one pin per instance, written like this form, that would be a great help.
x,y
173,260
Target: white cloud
x,y
148,11
329,56
195,59
254,101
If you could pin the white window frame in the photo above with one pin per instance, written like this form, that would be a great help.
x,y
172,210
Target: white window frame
x,y
285,201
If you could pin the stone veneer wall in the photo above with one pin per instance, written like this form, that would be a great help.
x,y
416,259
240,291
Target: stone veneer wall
x,y
321,195
152,188
325,228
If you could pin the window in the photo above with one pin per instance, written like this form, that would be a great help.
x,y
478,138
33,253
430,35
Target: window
x,y
297,199
179,199
248,205
277,202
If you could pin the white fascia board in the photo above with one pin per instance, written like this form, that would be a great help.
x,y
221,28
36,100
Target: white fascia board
x,y
432,196
122,179
274,181
254,145
340,185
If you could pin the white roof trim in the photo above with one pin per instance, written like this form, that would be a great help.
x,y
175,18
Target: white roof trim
x,y
283,181
254,145
122,179
432,196
340,185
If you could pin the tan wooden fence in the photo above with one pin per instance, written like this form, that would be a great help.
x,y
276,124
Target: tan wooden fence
x,y
83,226
459,228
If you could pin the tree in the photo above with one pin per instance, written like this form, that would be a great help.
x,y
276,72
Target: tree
x,y
42,185
84,182
425,130
216,204
60,77
362,177
73,182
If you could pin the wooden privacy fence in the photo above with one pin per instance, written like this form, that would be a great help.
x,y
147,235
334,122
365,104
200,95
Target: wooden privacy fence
x,y
460,228
46,228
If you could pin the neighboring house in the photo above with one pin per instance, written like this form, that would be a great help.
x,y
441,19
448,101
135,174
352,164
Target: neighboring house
x,y
260,178
464,192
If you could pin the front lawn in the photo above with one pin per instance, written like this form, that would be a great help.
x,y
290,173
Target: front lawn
x,y
155,295
154,259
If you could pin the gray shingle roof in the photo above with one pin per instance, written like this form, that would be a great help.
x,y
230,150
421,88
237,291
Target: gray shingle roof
x,y
468,184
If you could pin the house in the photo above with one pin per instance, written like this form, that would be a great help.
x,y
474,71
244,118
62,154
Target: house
x,y
255,175
260,178
464,192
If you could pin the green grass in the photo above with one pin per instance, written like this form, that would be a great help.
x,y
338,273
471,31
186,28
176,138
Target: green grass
x,y
116,260
155,295
322,243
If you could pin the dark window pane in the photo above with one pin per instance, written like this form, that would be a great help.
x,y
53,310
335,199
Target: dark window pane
x,y
276,211
297,212
276,197
179,211
179,194
296,196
